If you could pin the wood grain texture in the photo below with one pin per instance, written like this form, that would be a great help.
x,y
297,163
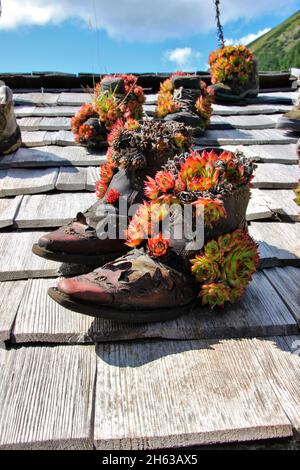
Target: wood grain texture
x,y
226,110
284,201
54,124
17,260
286,281
23,181
35,98
245,137
275,175
279,243
91,178
52,210
183,393
260,206
30,123
50,111
53,156
280,360
242,122
40,319
35,138
46,397
11,294
71,179
8,210
261,312
276,153
74,99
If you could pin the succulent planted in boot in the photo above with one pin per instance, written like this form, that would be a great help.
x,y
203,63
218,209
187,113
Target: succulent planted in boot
x,y
116,98
185,98
151,144
233,72
224,267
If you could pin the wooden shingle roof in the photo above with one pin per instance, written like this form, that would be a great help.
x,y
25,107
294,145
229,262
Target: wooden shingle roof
x,y
226,376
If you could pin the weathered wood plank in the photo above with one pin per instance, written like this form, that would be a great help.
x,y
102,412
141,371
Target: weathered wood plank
x,y
71,179
279,243
55,124
260,206
8,210
21,181
245,137
284,201
242,122
40,319
53,156
180,393
286,281
52,210
17,260
275,175
50,111
46,397
11,294
36,138
226,110
36,98
30,123
74,99
275,153
261,312
280,361
91,177
62,138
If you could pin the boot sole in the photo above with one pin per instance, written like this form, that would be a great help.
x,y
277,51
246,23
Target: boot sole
x,y
91,260
118,315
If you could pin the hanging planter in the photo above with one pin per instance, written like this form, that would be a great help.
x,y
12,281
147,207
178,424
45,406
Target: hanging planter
x,y
233,73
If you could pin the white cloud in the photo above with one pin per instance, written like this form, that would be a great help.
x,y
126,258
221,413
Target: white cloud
x,y
137,20
248,38
183,57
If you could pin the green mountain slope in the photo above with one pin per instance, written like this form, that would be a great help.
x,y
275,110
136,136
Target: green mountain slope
x,y
279,49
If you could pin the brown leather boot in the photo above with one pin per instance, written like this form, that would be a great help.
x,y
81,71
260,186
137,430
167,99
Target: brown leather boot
x,y
133,155
134,288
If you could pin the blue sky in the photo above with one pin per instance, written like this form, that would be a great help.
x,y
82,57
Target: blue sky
x,y
131,35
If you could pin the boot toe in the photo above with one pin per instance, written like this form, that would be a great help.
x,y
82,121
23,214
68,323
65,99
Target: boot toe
x,y
83,289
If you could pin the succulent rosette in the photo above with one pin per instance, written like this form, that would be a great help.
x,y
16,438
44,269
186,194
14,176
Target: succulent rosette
x,y
225,267
168,104
85,127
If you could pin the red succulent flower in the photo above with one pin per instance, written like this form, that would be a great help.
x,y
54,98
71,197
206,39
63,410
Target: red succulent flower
x,y
165,180
158,246
113,196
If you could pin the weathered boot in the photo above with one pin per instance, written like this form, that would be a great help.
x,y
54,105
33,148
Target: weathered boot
x,y
291,119
133,155
10,135
134,288
160,280
116,97
186,99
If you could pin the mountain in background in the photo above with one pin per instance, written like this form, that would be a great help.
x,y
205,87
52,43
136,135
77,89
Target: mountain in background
x,y
279,49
